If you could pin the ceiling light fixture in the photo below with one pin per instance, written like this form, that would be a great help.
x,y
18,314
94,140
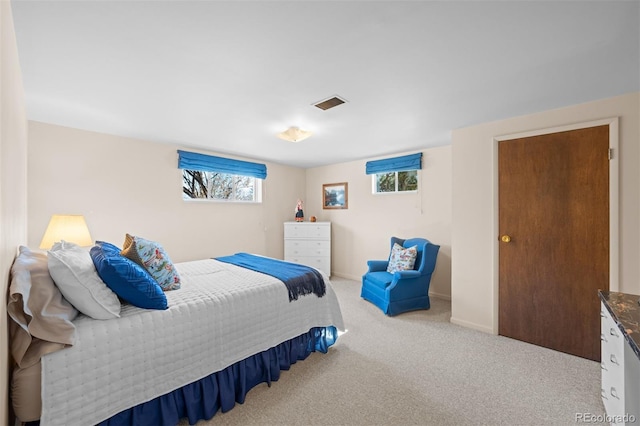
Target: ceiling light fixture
x,y
294,134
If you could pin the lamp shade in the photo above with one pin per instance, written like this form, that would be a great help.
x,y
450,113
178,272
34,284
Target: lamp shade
x,y
294,134
70,228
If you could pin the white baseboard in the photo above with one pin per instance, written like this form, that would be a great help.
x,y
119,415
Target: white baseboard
x,y
440,296
471,325
346,276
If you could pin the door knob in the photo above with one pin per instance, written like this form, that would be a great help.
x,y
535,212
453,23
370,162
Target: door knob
x,y
505,238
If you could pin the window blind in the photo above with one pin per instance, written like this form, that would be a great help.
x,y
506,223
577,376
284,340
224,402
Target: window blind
x,y
210,163
395,164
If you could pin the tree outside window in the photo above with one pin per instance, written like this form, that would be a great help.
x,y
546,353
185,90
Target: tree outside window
x,y
220,186
404,181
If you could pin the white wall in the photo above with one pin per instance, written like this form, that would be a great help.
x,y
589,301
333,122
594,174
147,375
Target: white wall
x,y
13,179
125,185
363,231
474,281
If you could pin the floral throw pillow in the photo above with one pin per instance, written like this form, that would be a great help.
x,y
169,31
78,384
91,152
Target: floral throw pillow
x,y
152,257
402,259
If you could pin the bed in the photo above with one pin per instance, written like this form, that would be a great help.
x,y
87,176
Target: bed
x,y
224,330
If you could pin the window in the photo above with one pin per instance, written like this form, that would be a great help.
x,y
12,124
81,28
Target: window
x,y
397,174
220,186
404,181
206,177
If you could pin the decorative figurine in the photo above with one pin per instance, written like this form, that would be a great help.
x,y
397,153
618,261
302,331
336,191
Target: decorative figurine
x,y
299,212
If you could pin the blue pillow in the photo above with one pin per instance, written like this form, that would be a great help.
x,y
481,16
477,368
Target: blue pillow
x,y
127,279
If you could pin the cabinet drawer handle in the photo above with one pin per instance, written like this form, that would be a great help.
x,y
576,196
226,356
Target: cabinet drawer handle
x,y
614,393
613,332
603,368
603,338
603,393
613,359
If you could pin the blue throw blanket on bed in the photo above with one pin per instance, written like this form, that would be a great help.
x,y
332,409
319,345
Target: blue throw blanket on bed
x,y
298,279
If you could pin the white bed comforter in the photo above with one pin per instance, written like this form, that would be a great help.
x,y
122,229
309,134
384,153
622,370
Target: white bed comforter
x,y
222,314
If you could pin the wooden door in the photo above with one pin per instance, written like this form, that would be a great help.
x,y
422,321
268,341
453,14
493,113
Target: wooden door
x,y
554,208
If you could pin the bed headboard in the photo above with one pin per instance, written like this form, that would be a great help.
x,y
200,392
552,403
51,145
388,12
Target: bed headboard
x,y
13,180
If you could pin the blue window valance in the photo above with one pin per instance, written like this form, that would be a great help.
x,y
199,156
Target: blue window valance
x,y
209,163
395,164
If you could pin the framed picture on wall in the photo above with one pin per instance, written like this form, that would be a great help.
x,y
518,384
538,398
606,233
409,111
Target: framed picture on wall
x,y
335,196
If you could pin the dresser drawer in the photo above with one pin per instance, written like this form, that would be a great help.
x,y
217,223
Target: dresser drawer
x,y
611,339
295,231
321,263
612,382
319,231
307,248
290,245
307,230
613,404
307,251
319,244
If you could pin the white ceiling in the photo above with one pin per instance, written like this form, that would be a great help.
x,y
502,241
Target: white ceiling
x,y
227,76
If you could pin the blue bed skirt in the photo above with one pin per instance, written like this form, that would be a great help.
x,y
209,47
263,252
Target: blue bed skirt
x,y
202,399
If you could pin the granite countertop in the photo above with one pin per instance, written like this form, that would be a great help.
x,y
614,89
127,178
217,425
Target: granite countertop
x,y
625,310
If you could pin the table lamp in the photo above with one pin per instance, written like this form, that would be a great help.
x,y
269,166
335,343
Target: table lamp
x,y
70,228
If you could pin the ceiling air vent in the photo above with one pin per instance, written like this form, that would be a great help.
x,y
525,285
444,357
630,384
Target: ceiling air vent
x,y
329,103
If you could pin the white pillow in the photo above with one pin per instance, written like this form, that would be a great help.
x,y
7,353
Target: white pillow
x,y
73,271
402,259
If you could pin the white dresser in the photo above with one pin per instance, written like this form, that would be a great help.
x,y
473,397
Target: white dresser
x,y
308,243
620,363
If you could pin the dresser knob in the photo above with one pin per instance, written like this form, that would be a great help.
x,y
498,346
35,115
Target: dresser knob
x,y
613,359
614,393
613,332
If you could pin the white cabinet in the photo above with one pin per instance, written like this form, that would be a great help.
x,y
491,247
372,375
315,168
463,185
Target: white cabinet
x,y
612,365
308,243
631,384
620,369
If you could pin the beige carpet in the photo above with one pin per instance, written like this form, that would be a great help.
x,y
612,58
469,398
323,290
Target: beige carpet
x,y
419,369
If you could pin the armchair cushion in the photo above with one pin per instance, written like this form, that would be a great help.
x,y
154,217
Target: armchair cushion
x,y
402,259
380,279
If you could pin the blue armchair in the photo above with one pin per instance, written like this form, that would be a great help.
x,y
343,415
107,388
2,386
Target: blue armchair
x,y
401,291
